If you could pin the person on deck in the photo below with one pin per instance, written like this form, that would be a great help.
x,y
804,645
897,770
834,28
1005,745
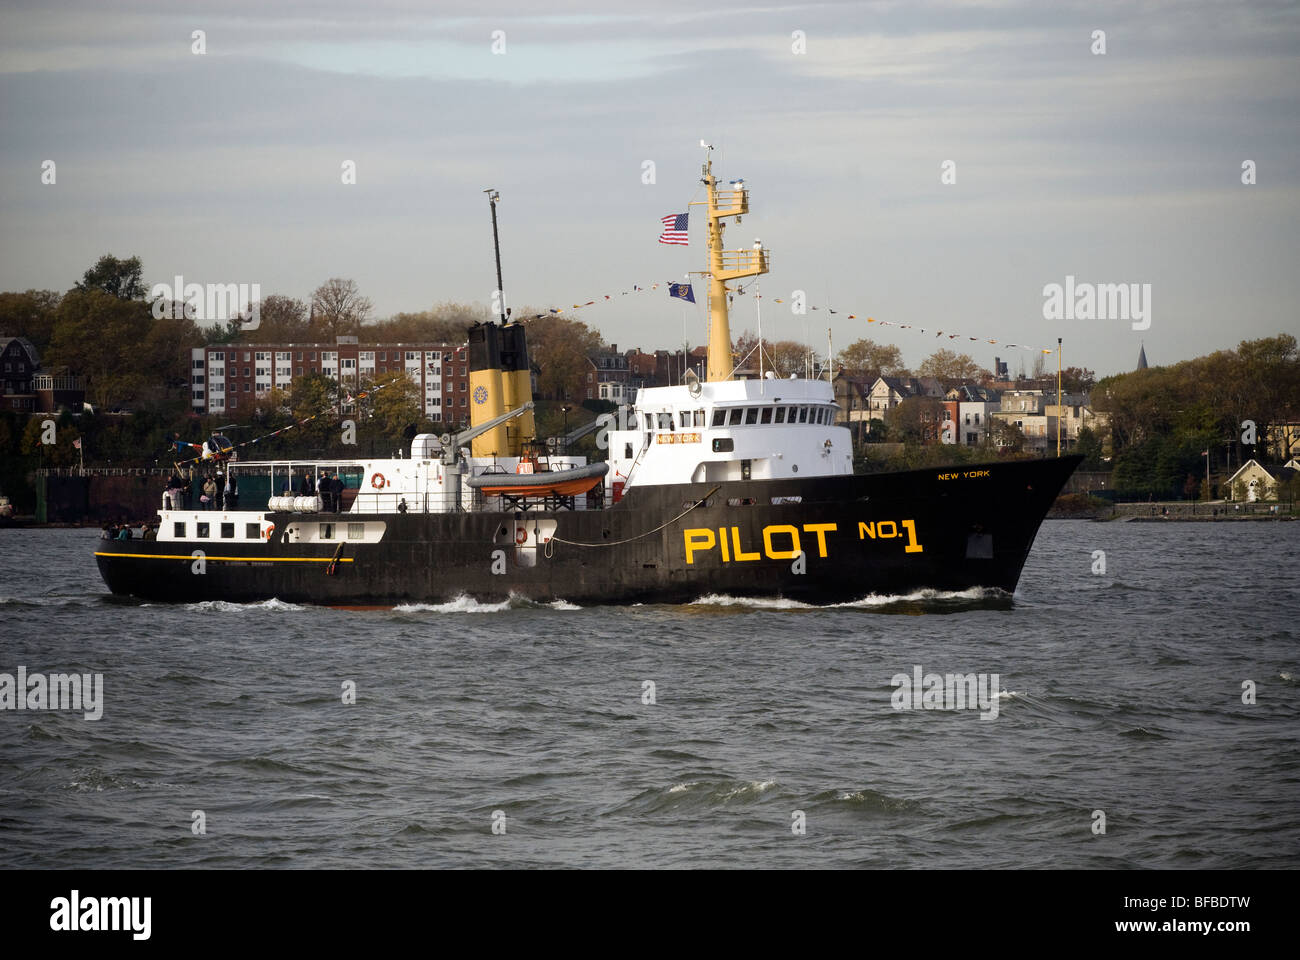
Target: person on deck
x,y
336,485
209,494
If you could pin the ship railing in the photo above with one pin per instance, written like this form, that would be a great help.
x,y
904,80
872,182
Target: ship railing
x,y
759,261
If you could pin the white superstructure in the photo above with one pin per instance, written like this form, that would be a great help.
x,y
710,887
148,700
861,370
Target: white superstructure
x,y
728,430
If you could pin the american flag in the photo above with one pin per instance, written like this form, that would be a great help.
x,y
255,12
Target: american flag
x,y
674,229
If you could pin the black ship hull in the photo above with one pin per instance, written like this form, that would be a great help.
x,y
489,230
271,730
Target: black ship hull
x,y
819,540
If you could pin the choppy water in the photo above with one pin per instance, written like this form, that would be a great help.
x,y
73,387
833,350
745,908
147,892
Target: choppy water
x,y
1123,693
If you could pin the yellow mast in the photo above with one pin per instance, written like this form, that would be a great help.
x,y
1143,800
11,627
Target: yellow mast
x,y
725,265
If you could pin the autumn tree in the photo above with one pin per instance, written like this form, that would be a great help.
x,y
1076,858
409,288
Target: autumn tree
x,y
1007,435
281,320
917,419
951,367
117,278
866,359
443,323
394,410
314,395
61,453
30,315
1077,380
338,309
97,335
559,349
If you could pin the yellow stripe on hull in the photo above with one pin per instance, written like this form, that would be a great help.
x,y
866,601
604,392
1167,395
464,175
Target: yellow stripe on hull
x,y
190,556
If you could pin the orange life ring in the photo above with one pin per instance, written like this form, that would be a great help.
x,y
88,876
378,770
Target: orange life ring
x,y
521,536
270,529
378,482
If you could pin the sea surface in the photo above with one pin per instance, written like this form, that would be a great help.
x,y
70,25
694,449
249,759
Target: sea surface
x,y
1120,697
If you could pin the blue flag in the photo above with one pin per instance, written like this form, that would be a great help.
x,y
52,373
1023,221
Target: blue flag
x,y
682,291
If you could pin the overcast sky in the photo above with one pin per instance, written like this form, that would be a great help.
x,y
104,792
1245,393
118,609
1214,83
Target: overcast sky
x,y
1126,167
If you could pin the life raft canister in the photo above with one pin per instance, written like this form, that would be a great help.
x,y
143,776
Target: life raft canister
x,y
378,482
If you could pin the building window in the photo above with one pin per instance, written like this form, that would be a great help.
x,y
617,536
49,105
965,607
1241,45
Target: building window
x,y
312,356
412,355
246,386
299,356
383,355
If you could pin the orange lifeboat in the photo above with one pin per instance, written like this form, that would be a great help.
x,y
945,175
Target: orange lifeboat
x,y
531,482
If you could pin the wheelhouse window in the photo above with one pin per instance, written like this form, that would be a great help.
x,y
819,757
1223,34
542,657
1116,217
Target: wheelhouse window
x,y
751,415
803,414
736,414
766,416
780,414
719,418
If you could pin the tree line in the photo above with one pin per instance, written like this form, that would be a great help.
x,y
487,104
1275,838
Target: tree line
x,y
1162,419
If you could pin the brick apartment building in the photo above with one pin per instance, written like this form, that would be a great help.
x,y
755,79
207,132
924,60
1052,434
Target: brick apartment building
x,y
227,378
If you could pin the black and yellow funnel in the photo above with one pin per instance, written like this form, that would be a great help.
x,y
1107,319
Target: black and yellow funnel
x,y
499,382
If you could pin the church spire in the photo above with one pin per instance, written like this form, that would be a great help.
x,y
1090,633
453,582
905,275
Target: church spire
x,y
1142,357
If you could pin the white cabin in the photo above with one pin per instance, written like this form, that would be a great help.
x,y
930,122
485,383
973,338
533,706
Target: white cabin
x,y
729,430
